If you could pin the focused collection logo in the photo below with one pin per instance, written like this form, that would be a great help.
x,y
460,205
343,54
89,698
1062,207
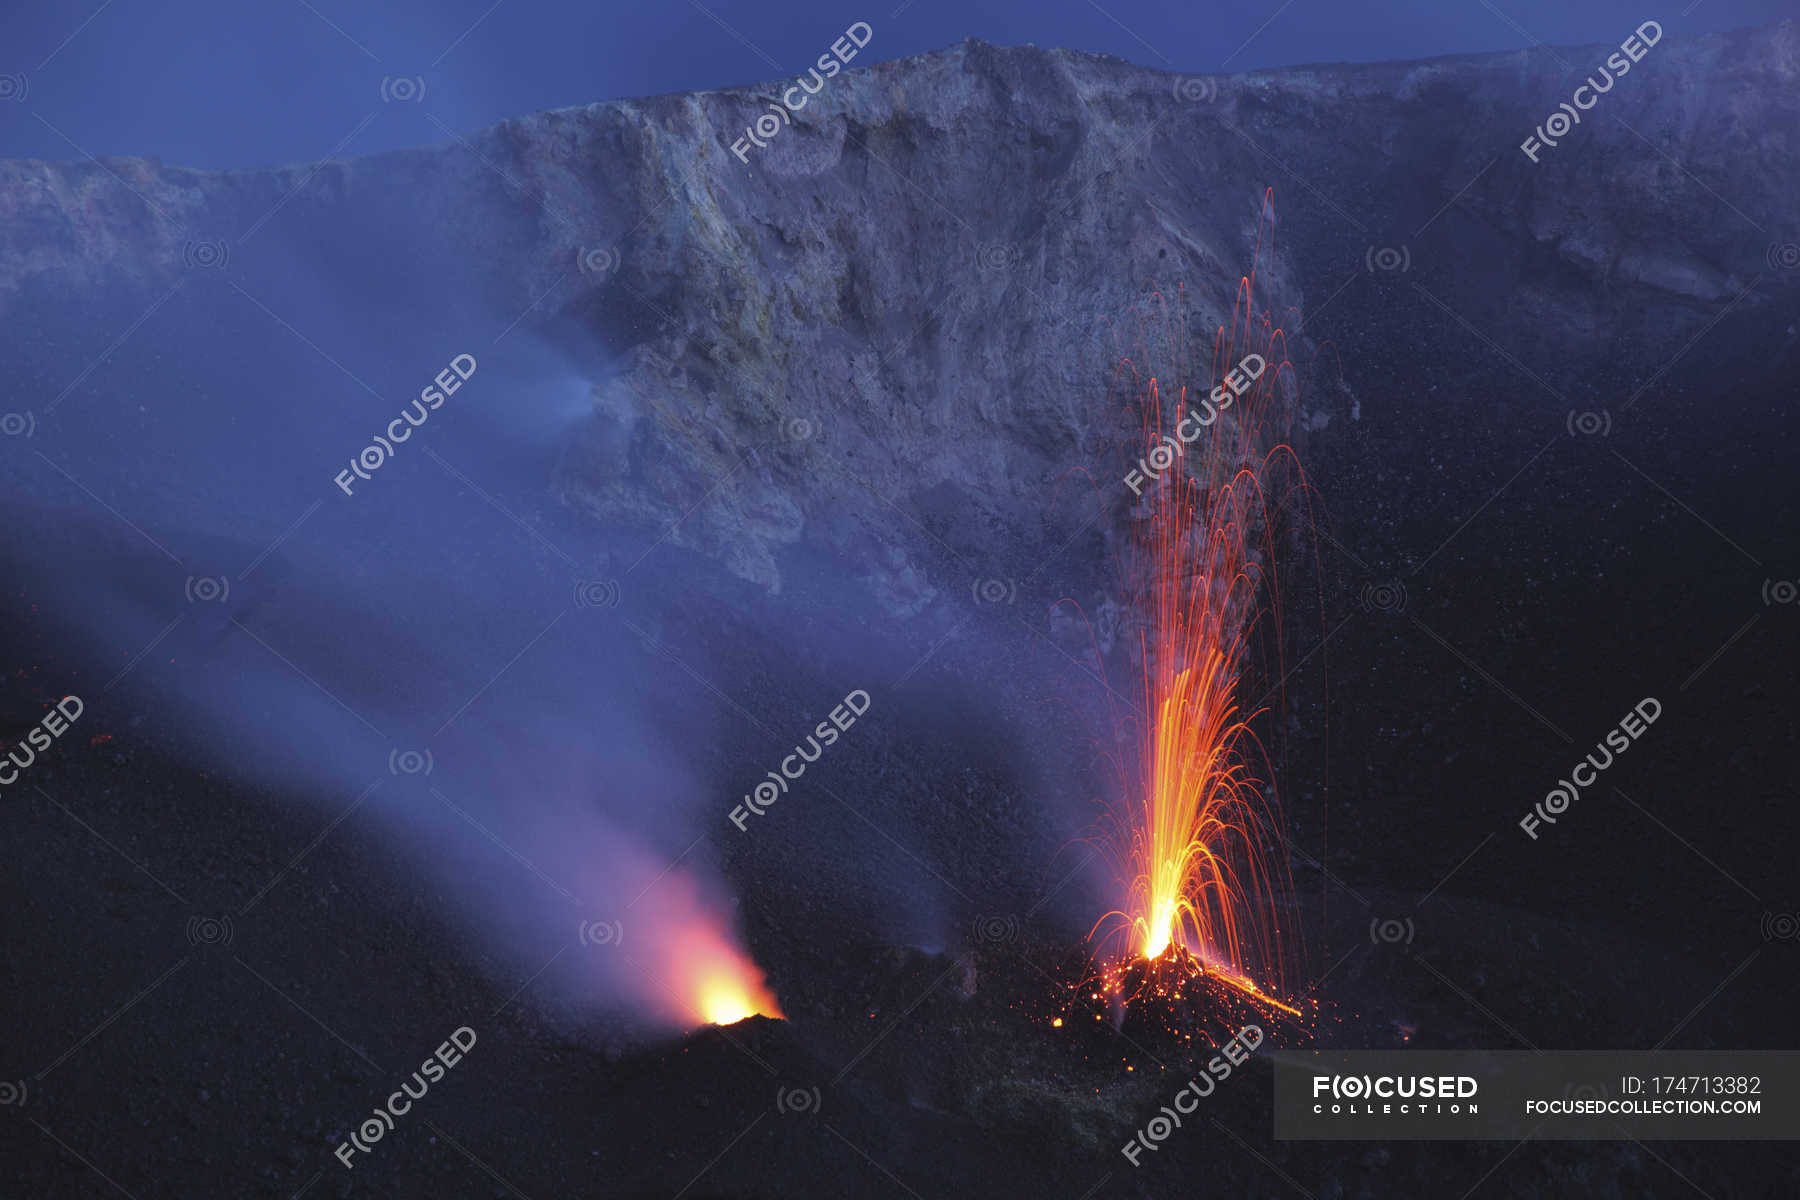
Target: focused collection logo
x,y
1403,1095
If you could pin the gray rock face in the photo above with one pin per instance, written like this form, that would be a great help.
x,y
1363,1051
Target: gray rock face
x,y
921,288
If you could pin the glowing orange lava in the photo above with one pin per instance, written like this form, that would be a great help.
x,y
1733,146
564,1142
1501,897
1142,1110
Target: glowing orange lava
x,y
687,961
718,982
1196,835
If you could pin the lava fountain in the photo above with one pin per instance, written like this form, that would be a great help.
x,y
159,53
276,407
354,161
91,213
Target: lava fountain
x,y
1193,830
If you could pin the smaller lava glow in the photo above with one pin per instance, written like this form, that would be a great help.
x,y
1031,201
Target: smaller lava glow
x,y
700,971
725,985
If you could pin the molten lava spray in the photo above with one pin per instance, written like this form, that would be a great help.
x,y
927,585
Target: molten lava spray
x,y
1195,833
1203,829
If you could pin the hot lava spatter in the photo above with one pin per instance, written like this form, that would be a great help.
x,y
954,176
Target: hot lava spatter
x,y
1194,831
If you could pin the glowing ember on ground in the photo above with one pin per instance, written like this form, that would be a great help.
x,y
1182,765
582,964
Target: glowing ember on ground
x,y
1177,976
1194,831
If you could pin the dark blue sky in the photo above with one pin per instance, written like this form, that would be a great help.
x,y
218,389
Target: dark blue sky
x,y
230,83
